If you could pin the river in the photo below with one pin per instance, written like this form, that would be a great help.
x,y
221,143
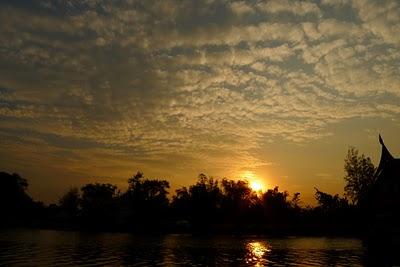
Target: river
x,y
64,248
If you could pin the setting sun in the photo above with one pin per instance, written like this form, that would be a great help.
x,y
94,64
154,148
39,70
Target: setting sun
x,y
255,183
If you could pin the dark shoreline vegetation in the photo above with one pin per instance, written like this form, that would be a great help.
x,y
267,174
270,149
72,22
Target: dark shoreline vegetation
x,y
208,206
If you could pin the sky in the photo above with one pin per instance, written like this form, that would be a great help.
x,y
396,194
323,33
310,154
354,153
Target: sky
x,y
274,91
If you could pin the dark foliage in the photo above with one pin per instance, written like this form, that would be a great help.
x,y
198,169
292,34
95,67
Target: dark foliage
x,y
334,209
206,206
359,176
144,204
276,205
98,205
16,207
15,204
70,202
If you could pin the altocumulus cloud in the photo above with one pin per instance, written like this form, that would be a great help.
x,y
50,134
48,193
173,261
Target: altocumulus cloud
x,y
205,80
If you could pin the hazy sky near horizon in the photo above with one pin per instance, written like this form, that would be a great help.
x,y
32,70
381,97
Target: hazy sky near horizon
x,y
272,90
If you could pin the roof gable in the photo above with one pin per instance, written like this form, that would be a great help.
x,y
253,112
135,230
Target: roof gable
x,y
387,160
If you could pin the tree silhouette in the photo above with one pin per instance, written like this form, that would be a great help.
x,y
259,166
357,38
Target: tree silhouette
x,y
181,204
69,205
146,202
295,202
206,206
330,203
239,204
205,198
15,204
276,205
200,203
238,197
334,210
359,176
98,205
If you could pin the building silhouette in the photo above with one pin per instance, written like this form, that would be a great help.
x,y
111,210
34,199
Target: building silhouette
x,y
383,208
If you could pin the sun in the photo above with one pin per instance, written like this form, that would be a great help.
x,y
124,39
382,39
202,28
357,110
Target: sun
x,y
254,182
256,185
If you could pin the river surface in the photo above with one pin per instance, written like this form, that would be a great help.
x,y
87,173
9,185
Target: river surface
x,y
63,248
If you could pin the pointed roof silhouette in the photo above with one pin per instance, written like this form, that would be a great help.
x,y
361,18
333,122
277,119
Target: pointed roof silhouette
x,y
386,158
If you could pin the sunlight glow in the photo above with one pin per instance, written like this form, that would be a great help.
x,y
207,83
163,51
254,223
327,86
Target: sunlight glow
x,y
255,183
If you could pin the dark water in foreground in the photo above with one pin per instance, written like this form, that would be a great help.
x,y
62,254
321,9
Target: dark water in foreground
x,y
58,248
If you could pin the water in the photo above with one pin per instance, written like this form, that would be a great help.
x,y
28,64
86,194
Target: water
x,y
59,248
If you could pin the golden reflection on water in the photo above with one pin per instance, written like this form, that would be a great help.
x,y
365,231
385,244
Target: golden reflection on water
x,y
257,252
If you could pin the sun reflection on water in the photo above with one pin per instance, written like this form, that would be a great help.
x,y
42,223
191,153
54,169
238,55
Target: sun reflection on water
x,y
257,252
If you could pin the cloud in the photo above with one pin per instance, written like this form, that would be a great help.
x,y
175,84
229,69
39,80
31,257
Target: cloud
x,y
335,28
382,18
335,3
241,8
209,81
300,8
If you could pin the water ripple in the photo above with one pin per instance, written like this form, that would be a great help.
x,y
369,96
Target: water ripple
x,y
58,248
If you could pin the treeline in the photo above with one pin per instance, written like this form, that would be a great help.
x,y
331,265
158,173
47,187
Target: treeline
x,y
208,206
